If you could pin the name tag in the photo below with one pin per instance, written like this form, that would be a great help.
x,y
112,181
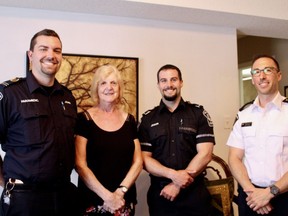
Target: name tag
x,y
246,124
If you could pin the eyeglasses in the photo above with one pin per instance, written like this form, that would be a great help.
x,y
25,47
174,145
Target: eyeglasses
x,y
266,71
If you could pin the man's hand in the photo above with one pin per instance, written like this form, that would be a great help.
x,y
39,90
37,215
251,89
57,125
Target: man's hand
x,y
265,209
170,191
182,178
258,199
114,202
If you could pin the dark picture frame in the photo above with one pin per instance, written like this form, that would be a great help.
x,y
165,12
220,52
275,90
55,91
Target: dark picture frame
x,y
285,91
77,70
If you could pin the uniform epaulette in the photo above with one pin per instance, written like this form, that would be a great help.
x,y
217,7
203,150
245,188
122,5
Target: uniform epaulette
x,y
285,100
65,88
148,111
246,105
10,82
194,104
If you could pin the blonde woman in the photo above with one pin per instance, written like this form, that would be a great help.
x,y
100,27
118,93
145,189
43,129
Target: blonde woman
x,y
108,155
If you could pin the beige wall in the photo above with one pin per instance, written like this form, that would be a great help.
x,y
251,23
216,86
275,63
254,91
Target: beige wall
x,y
206,55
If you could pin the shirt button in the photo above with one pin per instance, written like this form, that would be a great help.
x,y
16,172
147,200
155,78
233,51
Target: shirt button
x,y
172,141
173,154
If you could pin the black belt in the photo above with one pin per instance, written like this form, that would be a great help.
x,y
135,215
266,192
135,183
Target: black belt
x,y
46,186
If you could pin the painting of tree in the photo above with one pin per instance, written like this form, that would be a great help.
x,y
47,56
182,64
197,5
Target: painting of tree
x,y
76,73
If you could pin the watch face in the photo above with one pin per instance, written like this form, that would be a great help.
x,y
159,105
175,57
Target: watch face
x,y
124,189
274,190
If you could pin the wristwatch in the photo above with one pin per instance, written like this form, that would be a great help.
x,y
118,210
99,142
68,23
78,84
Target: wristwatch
x,y
274,190
123,189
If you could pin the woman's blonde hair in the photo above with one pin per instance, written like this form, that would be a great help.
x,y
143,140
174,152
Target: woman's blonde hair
x,y
102,73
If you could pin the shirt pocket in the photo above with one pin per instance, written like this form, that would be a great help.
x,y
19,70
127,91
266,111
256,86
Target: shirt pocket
x,y
276,140
158,136
187,131
70,116
32,115
248,132
249,137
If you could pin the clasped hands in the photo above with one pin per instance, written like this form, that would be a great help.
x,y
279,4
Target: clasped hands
x,y
180,179
258,200
114,202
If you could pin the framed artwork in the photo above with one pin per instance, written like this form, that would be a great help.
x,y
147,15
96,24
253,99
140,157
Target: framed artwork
x,y
286,91
77,70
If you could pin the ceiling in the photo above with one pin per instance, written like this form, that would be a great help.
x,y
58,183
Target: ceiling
x,y
245,24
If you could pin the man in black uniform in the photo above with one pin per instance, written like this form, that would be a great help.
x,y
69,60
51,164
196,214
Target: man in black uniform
x,y
177,142
37,119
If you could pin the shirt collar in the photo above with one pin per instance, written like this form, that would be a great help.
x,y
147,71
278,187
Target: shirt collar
x,y
33,85
163,107
276,102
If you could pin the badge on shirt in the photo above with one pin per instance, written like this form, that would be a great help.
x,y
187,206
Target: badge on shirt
x,y
154,124
246,124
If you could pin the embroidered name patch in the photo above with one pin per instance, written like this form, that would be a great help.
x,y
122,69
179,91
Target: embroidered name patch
x,y
155,124
246,124
30,101
187,129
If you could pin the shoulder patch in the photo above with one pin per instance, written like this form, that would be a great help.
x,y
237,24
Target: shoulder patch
x,y
246,105
10,82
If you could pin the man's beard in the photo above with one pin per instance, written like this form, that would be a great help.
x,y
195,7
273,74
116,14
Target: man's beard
x,y
170,98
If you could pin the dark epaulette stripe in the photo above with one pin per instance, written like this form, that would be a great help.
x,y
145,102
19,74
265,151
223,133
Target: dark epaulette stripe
x,y
9,82
246,105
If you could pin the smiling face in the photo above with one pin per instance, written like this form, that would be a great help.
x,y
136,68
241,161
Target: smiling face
x,y
170,84
46,57
108,89
266,84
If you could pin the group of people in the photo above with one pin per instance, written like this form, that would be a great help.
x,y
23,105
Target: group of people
x,y
44,139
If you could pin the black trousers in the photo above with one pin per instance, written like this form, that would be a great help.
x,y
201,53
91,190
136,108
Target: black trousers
x,y
279,203
192,201
60,201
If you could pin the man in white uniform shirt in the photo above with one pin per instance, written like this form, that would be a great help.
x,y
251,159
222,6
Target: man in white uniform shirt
x,y
258,145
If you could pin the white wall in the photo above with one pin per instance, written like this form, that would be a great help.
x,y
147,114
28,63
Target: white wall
x,y
271,8
206,55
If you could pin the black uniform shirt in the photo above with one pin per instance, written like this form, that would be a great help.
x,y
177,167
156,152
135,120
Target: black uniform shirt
x,y
37,131
172,136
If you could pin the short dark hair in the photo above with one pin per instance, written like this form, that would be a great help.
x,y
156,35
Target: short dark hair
x,y
256,57
169,66
45,32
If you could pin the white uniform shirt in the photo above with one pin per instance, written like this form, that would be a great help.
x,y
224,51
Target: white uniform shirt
x,y
263,135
